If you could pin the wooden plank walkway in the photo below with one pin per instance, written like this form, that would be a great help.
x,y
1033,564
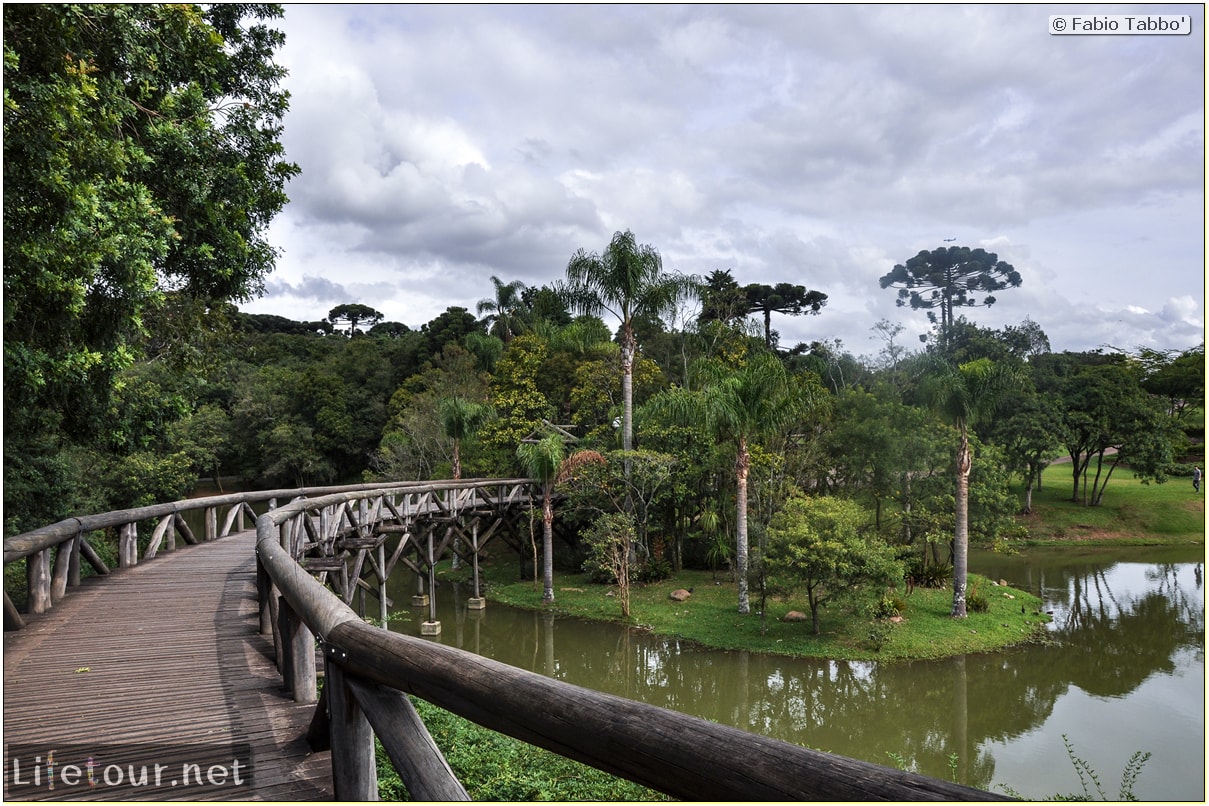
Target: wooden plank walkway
x,y
162,664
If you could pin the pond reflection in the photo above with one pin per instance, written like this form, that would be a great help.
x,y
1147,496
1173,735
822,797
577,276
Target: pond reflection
x,y
1124,671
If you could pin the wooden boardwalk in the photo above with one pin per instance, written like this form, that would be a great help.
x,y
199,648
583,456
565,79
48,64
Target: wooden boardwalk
x,y
162,664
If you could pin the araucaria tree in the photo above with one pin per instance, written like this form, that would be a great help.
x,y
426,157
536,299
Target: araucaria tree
x,y
141,157
963,395
627,281
948,278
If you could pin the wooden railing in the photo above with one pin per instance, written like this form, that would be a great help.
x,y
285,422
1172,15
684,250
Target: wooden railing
x,y
54,553
369,671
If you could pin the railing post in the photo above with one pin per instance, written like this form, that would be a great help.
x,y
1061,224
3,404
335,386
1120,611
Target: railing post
x,y
37,572
128,545
62,569
298,654
73,562
211,523
354,768
264,591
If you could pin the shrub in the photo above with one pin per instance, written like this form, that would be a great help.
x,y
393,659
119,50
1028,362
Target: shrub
x,y
930,576
976,601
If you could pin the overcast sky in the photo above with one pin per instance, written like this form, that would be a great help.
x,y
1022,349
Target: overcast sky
x,y
441,145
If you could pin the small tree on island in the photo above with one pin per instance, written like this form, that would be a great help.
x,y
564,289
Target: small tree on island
x,y
821,545
610,542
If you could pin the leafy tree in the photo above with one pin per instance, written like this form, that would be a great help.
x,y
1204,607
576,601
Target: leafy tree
x,y
415,443
821,545
785,298
1176,377
451,326
141,156
626,281
545,306
891,353
506,313
597,485
722,300
1031,436
949,278
542,460
609,542
1108,417
514,394
963,395
351,314
205,436
486,349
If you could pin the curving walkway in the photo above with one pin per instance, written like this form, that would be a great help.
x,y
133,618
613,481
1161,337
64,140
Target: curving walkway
x,y
159,664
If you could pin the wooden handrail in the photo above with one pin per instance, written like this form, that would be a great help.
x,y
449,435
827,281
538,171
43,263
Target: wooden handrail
x,y
47,584
683,756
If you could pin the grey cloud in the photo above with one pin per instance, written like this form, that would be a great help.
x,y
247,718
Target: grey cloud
x,y
812,144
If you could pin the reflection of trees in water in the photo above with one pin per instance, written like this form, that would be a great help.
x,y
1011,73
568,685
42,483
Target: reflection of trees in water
x,y
1113,645
1108,643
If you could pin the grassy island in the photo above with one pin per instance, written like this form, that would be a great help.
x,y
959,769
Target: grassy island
x,y
1132,513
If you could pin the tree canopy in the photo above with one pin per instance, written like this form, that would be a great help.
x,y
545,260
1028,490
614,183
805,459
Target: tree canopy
x,y
141,157
949,278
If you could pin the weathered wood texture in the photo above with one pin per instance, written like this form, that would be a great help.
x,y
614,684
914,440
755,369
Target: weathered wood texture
x,y
168,654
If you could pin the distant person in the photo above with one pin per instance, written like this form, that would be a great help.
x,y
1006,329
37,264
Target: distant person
x,y
1196,478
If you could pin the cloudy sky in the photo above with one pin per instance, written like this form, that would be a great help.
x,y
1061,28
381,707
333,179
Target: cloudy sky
x,y
817,145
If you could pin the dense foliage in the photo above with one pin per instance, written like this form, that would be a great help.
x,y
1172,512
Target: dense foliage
x,y
142,166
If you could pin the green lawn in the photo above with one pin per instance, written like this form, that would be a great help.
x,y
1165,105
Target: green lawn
x,y
1132,512
710,617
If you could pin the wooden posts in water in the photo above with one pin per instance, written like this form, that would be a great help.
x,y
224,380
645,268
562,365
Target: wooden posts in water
x,y
475,602
432,626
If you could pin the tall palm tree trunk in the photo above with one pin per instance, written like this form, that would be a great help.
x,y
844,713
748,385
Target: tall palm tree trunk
x,y
547,546
742,467
961,532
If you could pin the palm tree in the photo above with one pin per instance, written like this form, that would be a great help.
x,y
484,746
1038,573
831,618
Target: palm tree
x,y
742,406
627,281
542,460
505,317
965,394
459,419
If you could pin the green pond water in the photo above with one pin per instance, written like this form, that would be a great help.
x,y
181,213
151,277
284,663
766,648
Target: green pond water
x,y
1124,672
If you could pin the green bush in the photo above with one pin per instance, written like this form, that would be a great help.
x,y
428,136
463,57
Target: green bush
x,y
929,576
976,601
